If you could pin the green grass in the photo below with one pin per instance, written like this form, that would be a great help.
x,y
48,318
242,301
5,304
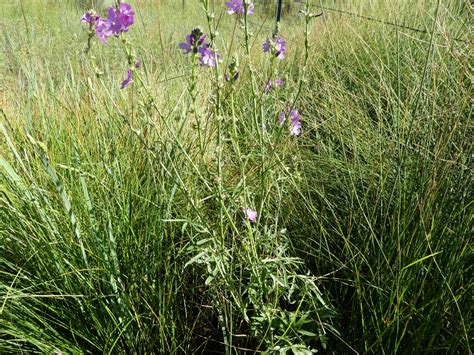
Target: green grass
x,y
120,210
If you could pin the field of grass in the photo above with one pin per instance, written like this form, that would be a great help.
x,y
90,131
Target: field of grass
x,y
121,210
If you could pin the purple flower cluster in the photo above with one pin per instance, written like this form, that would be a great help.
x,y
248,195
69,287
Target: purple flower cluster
x,y
238,7
273,84
118,20
277,47
195,43
295,123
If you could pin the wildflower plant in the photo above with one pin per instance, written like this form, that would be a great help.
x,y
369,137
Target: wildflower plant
x,y
258,235
257,294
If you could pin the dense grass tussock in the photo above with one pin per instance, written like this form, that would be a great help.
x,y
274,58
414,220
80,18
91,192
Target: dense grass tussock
x,y
122,224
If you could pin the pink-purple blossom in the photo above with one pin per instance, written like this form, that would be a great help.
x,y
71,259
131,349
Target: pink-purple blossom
x,y
195,43
208,56
118,20
238,7
295,120
276,46
128,79
103,30
126,16
89,17
250,214
273,84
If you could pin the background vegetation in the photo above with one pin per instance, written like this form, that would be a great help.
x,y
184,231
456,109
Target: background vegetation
x,y
120,226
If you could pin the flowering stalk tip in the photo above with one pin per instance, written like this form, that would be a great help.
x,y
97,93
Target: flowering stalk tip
x,y
276,46
118,20
238,7
195,44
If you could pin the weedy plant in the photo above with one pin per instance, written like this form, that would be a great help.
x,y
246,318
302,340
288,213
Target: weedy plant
x,y
235,192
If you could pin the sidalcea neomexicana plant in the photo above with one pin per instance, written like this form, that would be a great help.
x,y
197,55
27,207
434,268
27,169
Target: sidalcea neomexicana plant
x,y
259,291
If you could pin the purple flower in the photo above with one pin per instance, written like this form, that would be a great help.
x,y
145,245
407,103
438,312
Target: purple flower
x,y
118,20
189,45
103,30
89,17
280,46
138,64
270,84
238,6
128,80
208,56
126,16
250,214
266,45
193,41
295,127
195,44
295,123
277,47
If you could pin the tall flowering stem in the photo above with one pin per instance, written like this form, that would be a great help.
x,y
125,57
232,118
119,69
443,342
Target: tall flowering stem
x,y
193,92
202,55
223,317
90,18
302,77
251,70
258,123
212,38
307,16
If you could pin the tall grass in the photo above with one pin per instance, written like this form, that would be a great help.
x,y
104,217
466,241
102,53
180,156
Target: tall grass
x,y
121,227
